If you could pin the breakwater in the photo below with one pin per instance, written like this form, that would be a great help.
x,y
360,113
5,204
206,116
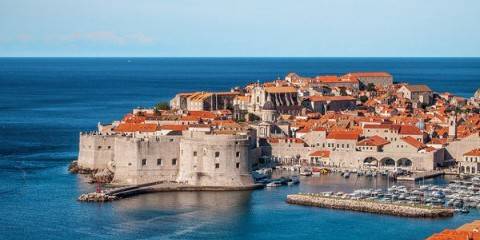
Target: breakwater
x,y
161,186
401,210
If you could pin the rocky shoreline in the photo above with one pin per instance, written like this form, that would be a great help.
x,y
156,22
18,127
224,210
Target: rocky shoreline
x,y
96,176
369,206
96,197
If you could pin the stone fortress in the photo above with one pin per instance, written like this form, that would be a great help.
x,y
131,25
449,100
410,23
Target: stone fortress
x,y
195,157
354,121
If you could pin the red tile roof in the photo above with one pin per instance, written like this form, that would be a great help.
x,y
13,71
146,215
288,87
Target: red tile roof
x,y
373,141
320,153
173,127
413,142
410,130
317,98
343,135
474,152
136,127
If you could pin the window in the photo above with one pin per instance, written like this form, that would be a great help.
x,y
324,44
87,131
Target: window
x,y
109,147
194,153
99,147
144,162
217,165
159,161
171,139
217,154
237,165
174,161
237,154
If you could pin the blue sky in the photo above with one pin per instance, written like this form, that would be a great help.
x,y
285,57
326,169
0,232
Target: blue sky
x,y
336,28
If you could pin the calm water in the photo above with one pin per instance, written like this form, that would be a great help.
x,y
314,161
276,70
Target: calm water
x,y
44,103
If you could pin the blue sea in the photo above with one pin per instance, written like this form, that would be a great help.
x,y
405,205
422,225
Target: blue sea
x,y
46,102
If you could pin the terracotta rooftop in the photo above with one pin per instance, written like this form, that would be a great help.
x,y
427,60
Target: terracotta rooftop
x,y
373,141
343,135
413,142
317,98
136,127
320,153
474,152
280,89
418,88
173,127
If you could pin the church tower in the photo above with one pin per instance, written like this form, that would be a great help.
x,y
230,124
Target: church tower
x,y
452,126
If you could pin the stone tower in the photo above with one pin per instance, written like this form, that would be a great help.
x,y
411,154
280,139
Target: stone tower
x,y
452,126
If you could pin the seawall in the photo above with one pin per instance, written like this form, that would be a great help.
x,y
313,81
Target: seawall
x,y
369,206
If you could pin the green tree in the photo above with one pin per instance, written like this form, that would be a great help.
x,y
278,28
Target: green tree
x,y
161,106
363,99
371,87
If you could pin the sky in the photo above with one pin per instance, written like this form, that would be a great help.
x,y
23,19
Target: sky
x,y
244,28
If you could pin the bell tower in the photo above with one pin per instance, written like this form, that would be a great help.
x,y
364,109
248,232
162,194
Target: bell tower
x,y
452,126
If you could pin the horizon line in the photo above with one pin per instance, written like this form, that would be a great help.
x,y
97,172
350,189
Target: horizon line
x,y
239,56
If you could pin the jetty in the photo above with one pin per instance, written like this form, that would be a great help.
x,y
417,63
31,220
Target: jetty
x,y
160,186
402,210
421,175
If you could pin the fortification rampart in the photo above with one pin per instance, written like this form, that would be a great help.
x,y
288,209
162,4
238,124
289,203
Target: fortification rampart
x,y
214,159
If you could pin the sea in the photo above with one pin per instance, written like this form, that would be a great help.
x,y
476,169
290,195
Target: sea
x,y
46,102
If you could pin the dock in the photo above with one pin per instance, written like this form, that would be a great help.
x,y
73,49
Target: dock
x,y
162,186
401,210
421,175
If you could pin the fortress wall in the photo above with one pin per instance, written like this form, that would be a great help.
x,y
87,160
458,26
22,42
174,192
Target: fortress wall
x,y
95,150
198,161
143,160
456,149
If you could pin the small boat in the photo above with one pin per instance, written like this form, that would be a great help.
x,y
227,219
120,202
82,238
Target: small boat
x,y
274,184
346,175
306,173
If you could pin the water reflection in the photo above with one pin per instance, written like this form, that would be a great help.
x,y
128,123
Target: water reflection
x,y
182,214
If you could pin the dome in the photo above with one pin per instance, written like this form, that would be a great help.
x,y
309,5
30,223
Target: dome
x,y
269,106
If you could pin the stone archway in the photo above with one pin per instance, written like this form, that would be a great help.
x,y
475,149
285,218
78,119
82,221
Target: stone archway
x,y
370,162
467,169
462,169
404,163
387,162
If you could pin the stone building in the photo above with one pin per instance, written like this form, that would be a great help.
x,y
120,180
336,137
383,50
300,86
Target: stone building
x,y
470,162
322,104
376,78
417,93
284,99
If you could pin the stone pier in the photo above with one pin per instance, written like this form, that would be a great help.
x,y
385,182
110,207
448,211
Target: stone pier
x,y
401,210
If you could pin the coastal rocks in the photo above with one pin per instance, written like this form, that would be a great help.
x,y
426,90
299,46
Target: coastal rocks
x,y
96,197
369,206
75,168
103,176
96,176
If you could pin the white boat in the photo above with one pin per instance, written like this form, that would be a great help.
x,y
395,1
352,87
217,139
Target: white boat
x,y
274,184
306,173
